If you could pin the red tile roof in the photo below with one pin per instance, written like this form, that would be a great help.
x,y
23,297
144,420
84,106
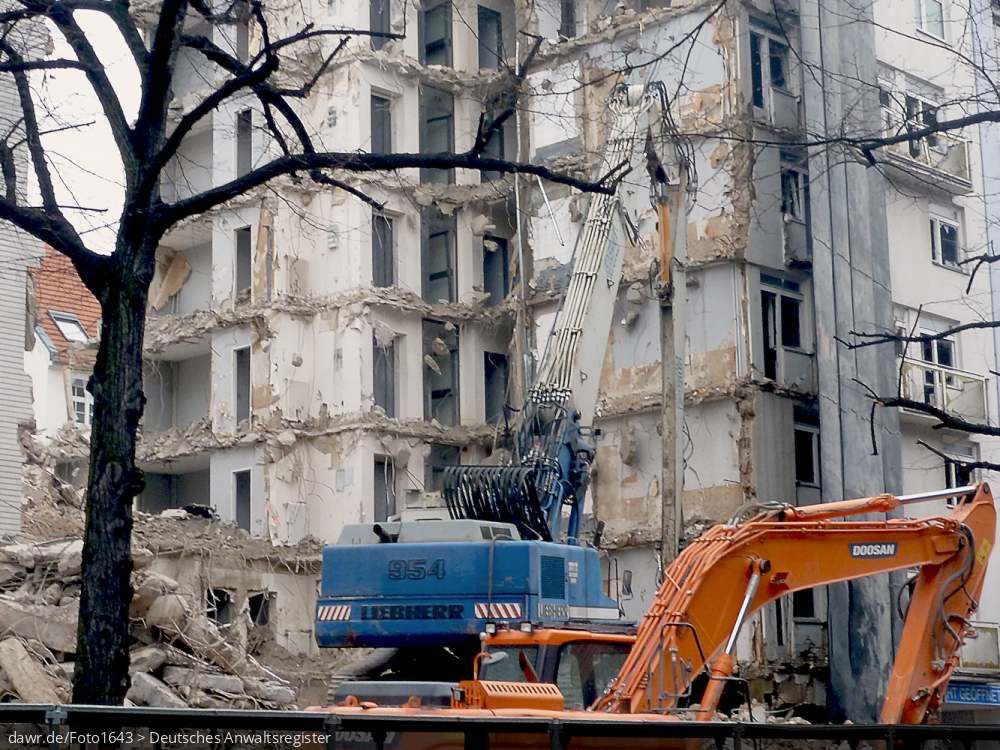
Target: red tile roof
x,y
58,289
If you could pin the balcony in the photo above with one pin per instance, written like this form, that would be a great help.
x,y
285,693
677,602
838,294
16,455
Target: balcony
x,y
962,394
945,163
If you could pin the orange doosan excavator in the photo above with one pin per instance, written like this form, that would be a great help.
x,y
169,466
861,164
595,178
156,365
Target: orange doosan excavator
x,y
717,582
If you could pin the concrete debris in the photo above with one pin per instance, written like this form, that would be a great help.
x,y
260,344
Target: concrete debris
x,y
432,364
147,690
54,626
439,348
203,680
27,677
147,659
173,616
181,658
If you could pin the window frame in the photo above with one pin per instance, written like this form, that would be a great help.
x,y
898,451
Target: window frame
x,y
381,112
774,338
436,106
238,377
391,500
955,455
922,23
499,364
794,169
242,267
938,217
243,161
807,428
383,256
431,330
238,511
385,396
432,225
68,322
445,43
379,21
84,400
500,259
763,43
495,58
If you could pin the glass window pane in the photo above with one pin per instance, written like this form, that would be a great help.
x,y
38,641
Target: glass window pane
x,y
779,63
949,243
790,329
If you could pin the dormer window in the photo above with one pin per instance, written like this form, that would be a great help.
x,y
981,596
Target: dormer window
x,y
70,327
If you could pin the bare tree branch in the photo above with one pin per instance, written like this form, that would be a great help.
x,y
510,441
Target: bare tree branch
x,y
874,339
946,419
964,464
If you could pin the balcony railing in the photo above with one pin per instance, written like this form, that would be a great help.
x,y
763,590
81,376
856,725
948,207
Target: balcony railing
x,y
962,394
981,651
948,156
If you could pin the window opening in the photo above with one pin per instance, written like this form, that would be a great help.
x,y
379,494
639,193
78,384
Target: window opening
x,y
244,142
496,368
383,254
494,149
940,352
806,443
778,64
567,19
241,494
438,268
242,31
957,472
384,377
243,264
380,22
490,39
219,605
437,132
438,458
496,269
779,623
82,401
260,607
440,372
781,319
770,72
803,604
381,141
385,488
241,367
436,34
794,187
945,241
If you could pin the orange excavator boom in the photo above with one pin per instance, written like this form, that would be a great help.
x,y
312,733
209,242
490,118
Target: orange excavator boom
x,y
723,578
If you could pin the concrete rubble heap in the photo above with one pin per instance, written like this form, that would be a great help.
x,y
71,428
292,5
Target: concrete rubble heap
x,y
181,657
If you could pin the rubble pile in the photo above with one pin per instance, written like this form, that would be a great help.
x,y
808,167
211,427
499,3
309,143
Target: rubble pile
x,y
181,657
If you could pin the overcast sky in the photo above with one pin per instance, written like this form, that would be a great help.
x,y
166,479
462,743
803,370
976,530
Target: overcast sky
x,y
84,159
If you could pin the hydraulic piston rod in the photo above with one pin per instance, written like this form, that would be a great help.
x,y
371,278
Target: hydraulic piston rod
x,y
722,667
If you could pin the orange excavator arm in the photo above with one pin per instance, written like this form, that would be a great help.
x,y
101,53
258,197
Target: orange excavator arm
x,y
727,575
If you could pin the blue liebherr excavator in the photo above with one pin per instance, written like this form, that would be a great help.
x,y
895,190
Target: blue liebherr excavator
x,y
508,558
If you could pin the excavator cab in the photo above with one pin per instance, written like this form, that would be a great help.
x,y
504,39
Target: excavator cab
x,y
580,663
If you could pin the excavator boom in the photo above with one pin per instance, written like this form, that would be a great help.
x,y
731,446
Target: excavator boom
x,y
732,571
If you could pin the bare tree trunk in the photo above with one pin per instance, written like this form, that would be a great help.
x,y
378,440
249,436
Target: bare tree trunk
x,y
101,675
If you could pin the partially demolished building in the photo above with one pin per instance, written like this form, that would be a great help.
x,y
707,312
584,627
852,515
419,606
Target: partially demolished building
x,y
314,362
